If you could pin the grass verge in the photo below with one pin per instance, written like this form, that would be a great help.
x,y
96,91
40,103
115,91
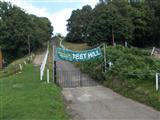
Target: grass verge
x,y
24,97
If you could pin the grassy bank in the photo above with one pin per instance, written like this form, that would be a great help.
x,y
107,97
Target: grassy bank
x,y
13,67
132,74
24,97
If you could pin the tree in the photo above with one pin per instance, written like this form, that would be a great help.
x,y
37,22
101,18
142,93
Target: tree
x,y
18,28
154,8
108,24
77,24
135,21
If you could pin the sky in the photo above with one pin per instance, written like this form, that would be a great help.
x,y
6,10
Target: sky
x,y
58,11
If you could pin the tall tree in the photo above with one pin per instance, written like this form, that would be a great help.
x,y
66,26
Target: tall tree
x,y
154,8
77,24
18,28
108,24
135,21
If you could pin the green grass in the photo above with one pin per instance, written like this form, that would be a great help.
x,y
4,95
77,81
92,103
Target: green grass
x,y
13,67
132,74
24,97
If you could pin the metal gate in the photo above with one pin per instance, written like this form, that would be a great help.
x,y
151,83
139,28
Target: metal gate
x,y
72,79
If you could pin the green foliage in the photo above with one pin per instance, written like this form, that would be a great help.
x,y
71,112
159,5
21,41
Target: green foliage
x,y
129,63
77,24
18,28
108,21
136,22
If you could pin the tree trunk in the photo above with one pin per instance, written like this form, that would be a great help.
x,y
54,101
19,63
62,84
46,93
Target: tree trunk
x,y
1,59
113,43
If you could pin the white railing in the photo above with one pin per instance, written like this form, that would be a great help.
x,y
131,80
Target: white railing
x,y
42,68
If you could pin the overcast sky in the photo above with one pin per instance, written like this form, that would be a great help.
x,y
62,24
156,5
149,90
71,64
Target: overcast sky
x,y
58,11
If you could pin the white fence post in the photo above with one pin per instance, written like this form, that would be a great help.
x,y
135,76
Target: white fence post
x,y
153,51
157,81
25,62
42,68
20,66
126,44
47,75
41,76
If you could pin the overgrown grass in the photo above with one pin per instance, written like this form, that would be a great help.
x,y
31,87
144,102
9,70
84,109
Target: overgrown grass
x,y
132,74
24,97
75,46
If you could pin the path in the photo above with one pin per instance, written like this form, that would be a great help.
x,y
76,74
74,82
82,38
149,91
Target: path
x,y
39,59
100,103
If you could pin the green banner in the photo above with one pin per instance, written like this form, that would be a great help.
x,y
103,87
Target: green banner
x,y
78,56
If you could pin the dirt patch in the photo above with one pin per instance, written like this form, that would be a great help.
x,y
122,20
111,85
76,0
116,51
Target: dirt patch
x,y
39,59
156,53
157,56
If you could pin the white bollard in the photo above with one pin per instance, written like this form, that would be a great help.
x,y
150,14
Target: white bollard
x,y
110,65
20,66
126,44
47,75
25,62
41,74
156,81
153,51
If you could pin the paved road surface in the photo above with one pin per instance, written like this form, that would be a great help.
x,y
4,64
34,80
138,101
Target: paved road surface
x,y
100,103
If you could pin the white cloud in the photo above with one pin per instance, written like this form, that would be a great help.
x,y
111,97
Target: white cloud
x,y
92,3
57,18
29,8
59,22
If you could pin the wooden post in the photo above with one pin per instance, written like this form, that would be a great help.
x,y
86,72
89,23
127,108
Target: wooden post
x,y
54,62
1,59
113,41
55,72
29,47
105,61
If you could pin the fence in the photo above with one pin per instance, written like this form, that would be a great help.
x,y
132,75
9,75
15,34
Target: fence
x,y
73,79
42,68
